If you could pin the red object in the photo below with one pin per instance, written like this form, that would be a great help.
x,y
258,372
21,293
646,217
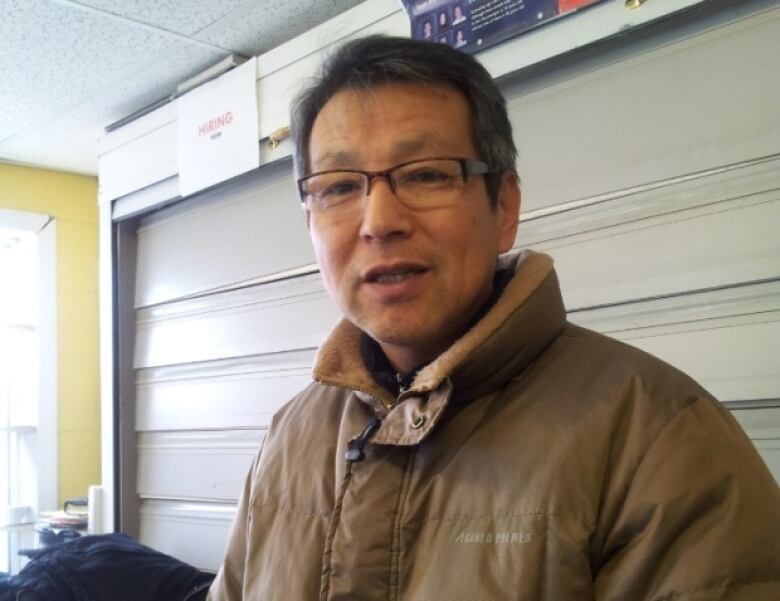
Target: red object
x,y
565,6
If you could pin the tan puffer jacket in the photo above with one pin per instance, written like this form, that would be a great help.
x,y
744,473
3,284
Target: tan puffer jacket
x,y
534,460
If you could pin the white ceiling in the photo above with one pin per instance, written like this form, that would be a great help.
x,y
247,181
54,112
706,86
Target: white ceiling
x,y
69,68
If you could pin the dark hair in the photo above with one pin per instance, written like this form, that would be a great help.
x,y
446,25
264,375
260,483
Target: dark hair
x,y
375,60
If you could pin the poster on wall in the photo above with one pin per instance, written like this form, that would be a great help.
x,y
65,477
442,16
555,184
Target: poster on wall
x,y
217,129
472,25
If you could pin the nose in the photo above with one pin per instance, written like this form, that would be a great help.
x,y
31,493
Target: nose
x,y
384,216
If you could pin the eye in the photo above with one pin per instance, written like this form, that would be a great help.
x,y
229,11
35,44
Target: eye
x,y
424,175
429,174
327,190
341,188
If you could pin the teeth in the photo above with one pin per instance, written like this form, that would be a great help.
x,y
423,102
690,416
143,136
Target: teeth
x,y
393,278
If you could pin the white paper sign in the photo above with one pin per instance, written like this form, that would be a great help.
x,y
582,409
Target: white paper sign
x,y
218,133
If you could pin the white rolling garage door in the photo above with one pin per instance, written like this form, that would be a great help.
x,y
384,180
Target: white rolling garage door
x,y
653,181
216,353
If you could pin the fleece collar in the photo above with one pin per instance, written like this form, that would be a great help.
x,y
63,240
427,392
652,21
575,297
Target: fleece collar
x,y
522,322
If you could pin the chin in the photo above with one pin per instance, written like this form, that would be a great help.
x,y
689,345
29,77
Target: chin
x,y
393,336
412,336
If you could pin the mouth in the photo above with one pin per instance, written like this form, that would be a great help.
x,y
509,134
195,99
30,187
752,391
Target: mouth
x,y
393,274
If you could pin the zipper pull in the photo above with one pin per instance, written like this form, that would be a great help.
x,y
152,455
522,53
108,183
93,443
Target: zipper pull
x,y
355,448
402,385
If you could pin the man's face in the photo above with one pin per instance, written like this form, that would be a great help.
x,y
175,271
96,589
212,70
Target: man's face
x,y
436,264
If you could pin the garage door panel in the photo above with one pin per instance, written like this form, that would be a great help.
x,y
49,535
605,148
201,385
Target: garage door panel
x,y
717,245
728,339
762,425
238,232
230,393
207,465
716,357
254,321
673,111
195,533
667,197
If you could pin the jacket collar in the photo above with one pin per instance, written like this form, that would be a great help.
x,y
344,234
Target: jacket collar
x,y
522,322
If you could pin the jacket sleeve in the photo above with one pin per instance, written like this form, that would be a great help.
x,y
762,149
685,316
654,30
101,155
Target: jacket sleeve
x,y
700,520
229,583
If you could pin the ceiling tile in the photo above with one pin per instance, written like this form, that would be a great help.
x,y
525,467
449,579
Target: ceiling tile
x,y
69,147
70,67
182,16
54,57
265,24
155,79
69,141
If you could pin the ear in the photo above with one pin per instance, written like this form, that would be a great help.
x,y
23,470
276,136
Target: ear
x,y
508,211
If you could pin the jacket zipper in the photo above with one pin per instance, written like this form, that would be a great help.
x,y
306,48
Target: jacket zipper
x,y
353,454
394,577
331,535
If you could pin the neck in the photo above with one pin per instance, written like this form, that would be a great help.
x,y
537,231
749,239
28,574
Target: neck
x,y
405,360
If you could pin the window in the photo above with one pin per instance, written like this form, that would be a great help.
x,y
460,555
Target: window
x,y
27,378
18,371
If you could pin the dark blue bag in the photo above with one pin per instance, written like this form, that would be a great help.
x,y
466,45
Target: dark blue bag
x,y
108,567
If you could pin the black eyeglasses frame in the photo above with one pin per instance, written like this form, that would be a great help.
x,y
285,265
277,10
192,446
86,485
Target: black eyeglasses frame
x,y
468,167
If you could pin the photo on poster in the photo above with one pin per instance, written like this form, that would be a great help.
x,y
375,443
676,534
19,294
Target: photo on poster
x,y
458,13
460,38
445,37
425,28
475,24
443,19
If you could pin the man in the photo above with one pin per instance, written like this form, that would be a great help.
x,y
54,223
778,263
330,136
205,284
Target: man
x,y
460,440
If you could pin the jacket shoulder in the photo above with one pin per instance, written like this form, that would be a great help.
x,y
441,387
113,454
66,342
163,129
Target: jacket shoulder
x,y
608,362
688,505
316,401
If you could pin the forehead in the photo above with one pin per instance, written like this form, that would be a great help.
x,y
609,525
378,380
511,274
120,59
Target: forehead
x,y
390,122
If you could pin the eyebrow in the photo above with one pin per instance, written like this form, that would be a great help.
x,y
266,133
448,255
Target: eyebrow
x,y
335,159
405,147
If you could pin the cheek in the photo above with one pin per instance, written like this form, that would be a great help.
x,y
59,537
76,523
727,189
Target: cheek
x,y
472,238
474,254
332,257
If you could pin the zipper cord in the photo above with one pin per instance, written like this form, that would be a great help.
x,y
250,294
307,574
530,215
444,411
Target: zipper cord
x,y
405,381
355,447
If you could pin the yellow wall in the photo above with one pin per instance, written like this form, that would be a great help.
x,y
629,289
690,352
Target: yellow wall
x,y
72,201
